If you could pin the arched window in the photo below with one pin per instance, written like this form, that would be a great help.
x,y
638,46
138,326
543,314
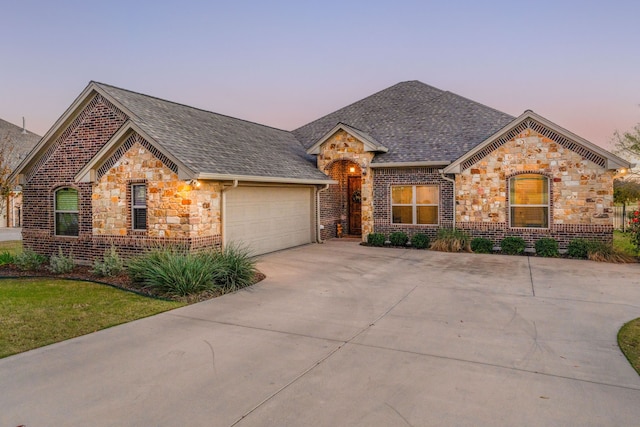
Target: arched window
x,y
529,201
66,212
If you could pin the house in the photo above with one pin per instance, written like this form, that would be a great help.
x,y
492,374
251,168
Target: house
x,y
15,143
125,169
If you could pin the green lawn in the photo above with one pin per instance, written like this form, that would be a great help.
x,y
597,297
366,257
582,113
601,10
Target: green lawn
x,y
622,242
11,246
629,342
40,311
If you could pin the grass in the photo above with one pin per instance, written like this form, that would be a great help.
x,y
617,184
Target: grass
x,y
11,246
39,311
622,242
629,342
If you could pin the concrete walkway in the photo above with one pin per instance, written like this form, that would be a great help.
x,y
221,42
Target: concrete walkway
x,y
344,335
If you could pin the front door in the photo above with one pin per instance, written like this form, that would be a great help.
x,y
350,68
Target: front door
x,y
355,203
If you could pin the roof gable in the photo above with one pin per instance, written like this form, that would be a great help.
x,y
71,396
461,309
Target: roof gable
x,y
537,123
370,144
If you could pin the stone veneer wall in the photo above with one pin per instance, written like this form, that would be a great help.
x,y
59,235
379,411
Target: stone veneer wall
x,y
344,147
384,178
581,201
175,209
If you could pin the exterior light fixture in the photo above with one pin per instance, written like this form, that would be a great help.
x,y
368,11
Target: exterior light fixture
x,y
352,169
194,183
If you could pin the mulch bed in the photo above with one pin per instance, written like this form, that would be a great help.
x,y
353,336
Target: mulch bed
x,y
122,281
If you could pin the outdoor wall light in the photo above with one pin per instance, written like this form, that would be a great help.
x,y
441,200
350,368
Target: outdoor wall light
x,y
352,169
194,183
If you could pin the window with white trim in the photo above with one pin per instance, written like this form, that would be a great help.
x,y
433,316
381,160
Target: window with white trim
x,y
414,204
139,207
66,212
529,201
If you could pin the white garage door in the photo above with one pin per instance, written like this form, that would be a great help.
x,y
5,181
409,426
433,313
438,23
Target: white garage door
x,y
267,219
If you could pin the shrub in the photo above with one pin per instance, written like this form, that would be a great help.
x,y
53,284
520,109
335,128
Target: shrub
x,y
28,260
634,228
59,263
420,241
481,245
579,248
110,265
172,271
234,267
376,239
512,245
398,238
451,240
6,258
547,247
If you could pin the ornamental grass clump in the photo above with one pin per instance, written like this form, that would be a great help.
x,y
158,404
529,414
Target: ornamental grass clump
x,y
420,241
451,240
547,247
398,238
513,245
234,267
6,258
481,245
172,271
603,252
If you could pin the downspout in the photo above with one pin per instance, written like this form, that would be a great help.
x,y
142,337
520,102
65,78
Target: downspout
x,y
318,229
223,208
453,182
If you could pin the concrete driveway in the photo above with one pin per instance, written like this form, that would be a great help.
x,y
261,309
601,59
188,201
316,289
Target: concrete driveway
x,y
344,335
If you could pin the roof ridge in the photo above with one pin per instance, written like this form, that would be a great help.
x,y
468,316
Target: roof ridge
x,y
368,97
189,106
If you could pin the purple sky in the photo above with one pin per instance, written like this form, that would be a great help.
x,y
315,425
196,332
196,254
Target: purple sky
x,y
285,63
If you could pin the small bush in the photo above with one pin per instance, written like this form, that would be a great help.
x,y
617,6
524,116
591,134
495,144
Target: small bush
x,y
110,265
28,260
172,271
59,263
579,248
376,239
513,245
398,238
420,241
481,245
6,258
547,247
451,240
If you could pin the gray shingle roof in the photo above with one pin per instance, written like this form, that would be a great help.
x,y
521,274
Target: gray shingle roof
x,y
415,121
21,143
207,142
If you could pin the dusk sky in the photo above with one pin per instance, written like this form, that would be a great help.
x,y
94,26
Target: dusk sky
x,y
285,63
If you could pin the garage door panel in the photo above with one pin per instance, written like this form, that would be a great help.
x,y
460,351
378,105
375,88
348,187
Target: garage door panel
x,y
267,219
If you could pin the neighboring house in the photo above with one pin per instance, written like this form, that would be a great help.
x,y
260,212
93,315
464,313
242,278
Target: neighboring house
x,y
125,169
15,143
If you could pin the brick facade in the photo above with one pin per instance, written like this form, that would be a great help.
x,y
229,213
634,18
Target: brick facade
x,y
385,178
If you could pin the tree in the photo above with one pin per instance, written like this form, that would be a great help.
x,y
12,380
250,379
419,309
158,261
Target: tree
x,y
628,143
6,160
625,192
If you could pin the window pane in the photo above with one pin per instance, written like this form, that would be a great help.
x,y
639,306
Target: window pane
x,y
401,195
529,190
139,219
427,214
139,195
402,215
66,224
427,195
537,217
66,199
